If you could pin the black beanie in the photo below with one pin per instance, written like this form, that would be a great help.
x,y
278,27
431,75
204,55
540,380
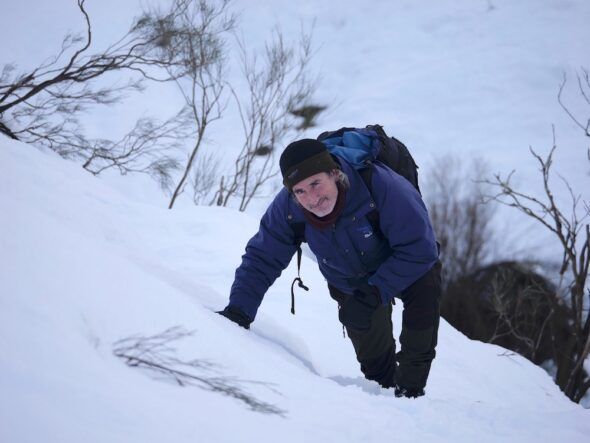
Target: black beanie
x,y
304,158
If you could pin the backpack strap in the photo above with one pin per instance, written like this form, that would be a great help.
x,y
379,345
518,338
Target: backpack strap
x,y
299,231
373,216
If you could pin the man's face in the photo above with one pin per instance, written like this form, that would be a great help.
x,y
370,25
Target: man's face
x,y
317,193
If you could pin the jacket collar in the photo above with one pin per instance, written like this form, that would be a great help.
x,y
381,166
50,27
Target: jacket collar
x,y
359,200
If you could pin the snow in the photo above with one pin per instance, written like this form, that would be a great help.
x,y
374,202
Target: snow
x,y
83,266
86,261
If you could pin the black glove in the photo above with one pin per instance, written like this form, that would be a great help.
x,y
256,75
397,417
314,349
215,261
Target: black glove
x,y
408,392
236,315
357,309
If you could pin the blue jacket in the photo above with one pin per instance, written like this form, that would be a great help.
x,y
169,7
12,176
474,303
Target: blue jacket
x,y
349,249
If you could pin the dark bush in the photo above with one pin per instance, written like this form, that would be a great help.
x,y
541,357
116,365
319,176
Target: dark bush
x,y
511,305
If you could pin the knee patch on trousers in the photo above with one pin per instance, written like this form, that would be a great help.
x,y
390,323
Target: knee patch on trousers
x,y
422,299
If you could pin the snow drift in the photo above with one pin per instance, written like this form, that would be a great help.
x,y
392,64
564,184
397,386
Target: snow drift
x,y
82,267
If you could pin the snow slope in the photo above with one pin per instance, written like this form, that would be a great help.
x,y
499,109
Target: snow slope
x,y
82,266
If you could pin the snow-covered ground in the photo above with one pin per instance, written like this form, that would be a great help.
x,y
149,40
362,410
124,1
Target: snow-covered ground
x,y
85,262
82,266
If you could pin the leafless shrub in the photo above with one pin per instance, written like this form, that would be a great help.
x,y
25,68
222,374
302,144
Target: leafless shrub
x,y
572,232
196,36
524,305
277,86
157,355
514,306
462,222
43,106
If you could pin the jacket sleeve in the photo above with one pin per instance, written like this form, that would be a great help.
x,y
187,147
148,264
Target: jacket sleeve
x,y
404,221
268,253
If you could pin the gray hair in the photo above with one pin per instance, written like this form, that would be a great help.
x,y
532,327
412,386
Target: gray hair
x,y
341,178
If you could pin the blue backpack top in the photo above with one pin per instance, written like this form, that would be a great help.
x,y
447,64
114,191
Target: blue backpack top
x,y
362,146
357,146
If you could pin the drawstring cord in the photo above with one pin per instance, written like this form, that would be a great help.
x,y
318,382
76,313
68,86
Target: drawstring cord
x,y
297,280
343,329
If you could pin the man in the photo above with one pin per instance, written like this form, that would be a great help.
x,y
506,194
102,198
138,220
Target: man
x,y
365,266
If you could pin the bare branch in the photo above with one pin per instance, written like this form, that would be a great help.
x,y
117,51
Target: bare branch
x,y
147,148
51,90
276,85
197,36
157,355
584,77
584,84
205,173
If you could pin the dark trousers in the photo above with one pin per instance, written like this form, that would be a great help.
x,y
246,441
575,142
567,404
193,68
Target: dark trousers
x,y
375,348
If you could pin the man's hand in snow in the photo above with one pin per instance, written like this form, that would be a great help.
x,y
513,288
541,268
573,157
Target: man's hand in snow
x,y
236,315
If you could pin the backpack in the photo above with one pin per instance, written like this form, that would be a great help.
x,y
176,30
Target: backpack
x,y
361,147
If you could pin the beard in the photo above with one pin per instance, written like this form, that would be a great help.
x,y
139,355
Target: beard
x,y
322,208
